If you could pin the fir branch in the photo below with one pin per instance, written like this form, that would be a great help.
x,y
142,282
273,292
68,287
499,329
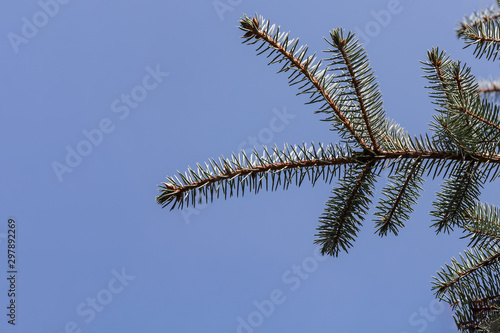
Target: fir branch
x,y
478,18
345,209
471,286
462,113
484,127
475,115
489,89
243,170
484,225
464,149
485,37
361,77
399,195
450,79
475,259
346,99
316,81
457,196
439,69
232,176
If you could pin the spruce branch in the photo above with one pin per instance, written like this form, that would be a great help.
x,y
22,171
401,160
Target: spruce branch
x,y
351,61
233,175
489,89
485,37
474,260
478,18
345,210
464,149
493,110
314,82
348,95
398,197
484,226
471,287
462,114
457,196
275,168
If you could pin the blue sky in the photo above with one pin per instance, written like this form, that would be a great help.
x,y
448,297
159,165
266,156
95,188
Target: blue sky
x,y
101,100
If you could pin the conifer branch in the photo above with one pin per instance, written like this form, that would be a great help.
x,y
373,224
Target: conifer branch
x,y
471,287
474,115
250,170
232,176
399,195
345,209
258,29
477,19
489,89
492,89
464,149
484,36
472,263
340,44
462,113
457,197
484,225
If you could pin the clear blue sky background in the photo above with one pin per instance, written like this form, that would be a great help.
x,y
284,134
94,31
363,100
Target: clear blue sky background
x,y
217,268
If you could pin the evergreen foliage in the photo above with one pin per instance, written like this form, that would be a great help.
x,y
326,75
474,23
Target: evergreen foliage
x,y
462,148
